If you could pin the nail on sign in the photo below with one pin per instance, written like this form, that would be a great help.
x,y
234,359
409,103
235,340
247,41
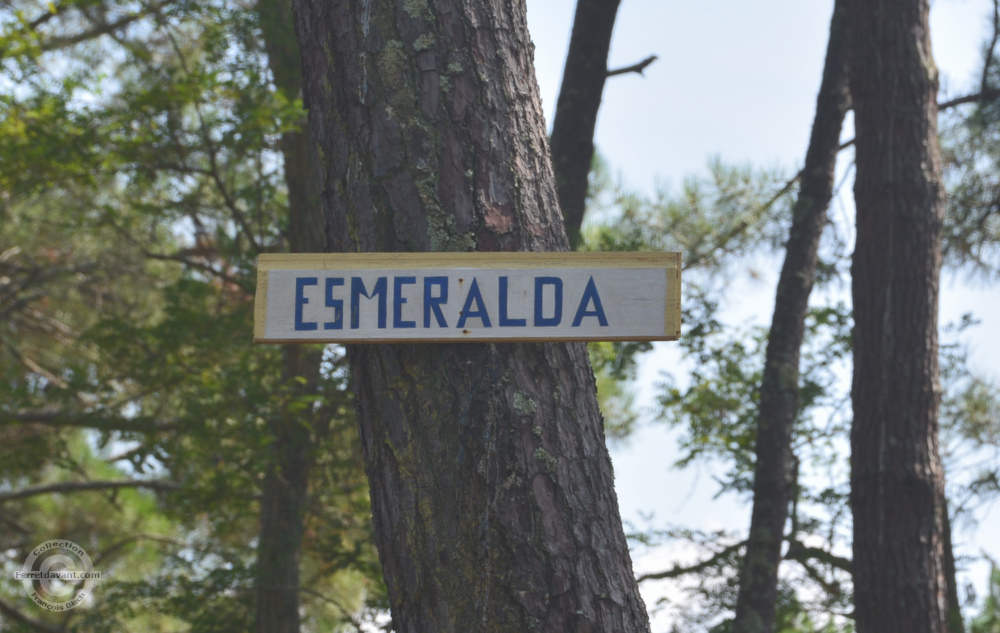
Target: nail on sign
x,y
480,297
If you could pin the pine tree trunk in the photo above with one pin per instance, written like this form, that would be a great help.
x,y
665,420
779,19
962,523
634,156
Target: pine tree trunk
x,y
284,493
492,491
283,502
576,109
779,395
896,474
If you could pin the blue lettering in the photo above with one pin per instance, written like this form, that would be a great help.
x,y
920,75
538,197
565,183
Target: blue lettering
x,y
357,290
432,303
590,295
300,300
504,321
474,295
398,301
556,318
336,304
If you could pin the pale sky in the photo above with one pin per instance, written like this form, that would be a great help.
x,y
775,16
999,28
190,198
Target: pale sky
x,y
737,79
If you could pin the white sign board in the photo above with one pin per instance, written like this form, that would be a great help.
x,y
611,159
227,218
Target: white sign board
x,y
449,297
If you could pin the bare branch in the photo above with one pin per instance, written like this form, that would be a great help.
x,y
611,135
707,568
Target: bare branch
x,y
35,367
986,94
18,616
831,588
93,421
213,151
204,267
347,614
800,553
99,28
65,487
45,17
113,549
634,68
15,524
796,552
83,36
127,455
680,570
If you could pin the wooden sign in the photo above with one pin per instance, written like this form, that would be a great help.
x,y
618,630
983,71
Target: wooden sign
x,y
480,297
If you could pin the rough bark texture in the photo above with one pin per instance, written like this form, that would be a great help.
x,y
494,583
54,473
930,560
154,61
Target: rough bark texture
x,y
576,109
492,491
285,490
779,395
896,474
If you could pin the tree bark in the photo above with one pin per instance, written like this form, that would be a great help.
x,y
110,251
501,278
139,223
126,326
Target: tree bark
x,y
576,108
897,480
285,490
779,394
283,500
492,491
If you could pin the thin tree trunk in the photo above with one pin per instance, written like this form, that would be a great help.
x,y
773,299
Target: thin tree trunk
x,y
285,490
283,502
897,481
779,395
576,109
492,491
955,622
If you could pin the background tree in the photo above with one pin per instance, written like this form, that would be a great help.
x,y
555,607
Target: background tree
x,y
572,139
300,429
779,389
897,483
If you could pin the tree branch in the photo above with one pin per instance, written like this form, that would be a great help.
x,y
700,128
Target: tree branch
x,y
127,455
634,68
213,154
61,418
45,17
116,547
985,94
99,29
65,487
18,616
679,570
347,614
800,553
35,367
204,267
984,82
831,588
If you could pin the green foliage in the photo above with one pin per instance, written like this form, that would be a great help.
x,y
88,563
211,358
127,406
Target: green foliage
x,y
720,221
715,220
614,367
970,151
988,619
182,592
141,178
